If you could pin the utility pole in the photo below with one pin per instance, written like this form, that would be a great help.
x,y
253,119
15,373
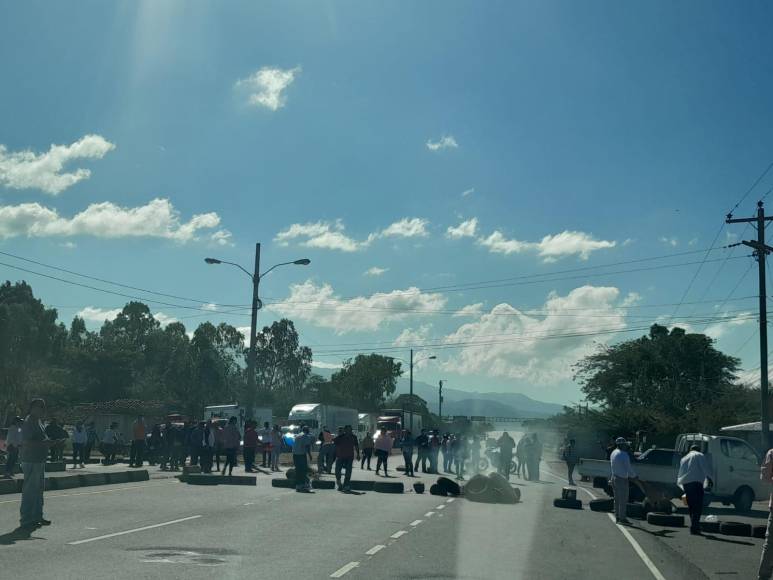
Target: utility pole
x,y
440,401
410,420
256,305
760,252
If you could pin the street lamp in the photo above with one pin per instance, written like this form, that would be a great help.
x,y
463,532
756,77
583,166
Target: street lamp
x,y
440,400
410,366
256,277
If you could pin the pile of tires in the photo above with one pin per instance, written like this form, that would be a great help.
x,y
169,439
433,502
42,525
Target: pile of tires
x,y
667,520
602,505
735,529
571,504
493,488
448,487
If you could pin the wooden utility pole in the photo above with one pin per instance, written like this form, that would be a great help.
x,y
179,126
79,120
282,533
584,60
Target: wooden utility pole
x,y
760,253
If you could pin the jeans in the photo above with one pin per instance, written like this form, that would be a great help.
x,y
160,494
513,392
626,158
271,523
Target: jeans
x,y
325,457
249,458
766,560
275,452
460,467
367,453
87,452
382,458
448,459
694,493
505,459
408,457
620,486
423,458
266,456
230,460
570,470
12,459
136,452
77,453
301,464
433,459
31,511
344,463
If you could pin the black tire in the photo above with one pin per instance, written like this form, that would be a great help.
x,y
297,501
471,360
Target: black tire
x,y
735,529
743,499
663,507
759,531
498,480
361,485
388,487
418,487
572,504
635,510
602,505
400,468
477,485
710,527
600,482
448,486
434,489
283,483
197,479
290,473
667,520
322,484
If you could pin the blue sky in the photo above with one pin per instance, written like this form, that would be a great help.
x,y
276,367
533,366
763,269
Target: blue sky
x,y
549,136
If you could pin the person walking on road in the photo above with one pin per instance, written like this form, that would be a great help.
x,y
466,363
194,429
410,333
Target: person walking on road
x,y
407,444
326,451
622,472
155,445
475,454
276,447
231,440
569,455
520,457
445,449
693,471
35,446
506,445
217,429
461,453
301,458
765,571
265,444
110,443
250,447
196,442
207,448
534,457
384,444
345,445
13,445
422,451
137,450
79,438
367,450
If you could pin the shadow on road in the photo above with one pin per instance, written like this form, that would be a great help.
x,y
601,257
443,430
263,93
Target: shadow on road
x,y
16,535
726,541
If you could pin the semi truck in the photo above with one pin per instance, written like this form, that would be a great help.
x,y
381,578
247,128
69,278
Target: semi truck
x,y
395,421
317,415
260,414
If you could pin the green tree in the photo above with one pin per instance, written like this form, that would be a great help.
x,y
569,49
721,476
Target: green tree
x,y
282,366
366,381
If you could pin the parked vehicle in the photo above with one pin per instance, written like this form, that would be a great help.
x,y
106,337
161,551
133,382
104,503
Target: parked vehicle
x,y
734,466
317,415
366,422
259,414
396,420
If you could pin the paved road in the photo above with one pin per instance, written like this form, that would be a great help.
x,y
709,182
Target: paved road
x,y
240,532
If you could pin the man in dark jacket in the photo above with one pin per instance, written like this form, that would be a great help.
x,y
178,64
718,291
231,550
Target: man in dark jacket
x,y
345,446
422,451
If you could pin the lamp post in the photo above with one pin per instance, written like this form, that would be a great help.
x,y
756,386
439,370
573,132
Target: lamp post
x,y
440,401
410,382
256,277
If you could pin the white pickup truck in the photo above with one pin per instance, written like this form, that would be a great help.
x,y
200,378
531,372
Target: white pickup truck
x,y
734,466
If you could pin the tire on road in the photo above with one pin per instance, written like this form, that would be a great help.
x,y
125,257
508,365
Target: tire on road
x,y
477,485
434,489
710,527
283,483
389,487
759,531
600,482
635,510
290,473
323,484
199,479
448,486
667,520
743,499
357,485
602,505
735,529
572,504
418,487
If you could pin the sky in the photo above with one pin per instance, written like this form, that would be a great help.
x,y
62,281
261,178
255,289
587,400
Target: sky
x,y
506,186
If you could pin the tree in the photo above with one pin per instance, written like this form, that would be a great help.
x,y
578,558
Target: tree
x,y
282,366
365,382
413,403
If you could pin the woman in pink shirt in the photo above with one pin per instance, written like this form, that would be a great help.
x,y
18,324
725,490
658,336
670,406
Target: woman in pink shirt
x,y
383,446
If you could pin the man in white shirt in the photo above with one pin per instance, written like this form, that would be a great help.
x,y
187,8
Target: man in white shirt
x,y
265,443
301,457
622,471
693,471
13,445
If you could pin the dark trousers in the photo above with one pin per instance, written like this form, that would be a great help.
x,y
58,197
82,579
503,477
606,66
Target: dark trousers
x,y
249,458
12,459
136,452
408,457
195,455
206,459
505,460
382,458
448,459
367,453
266,456
301,463
230,460
570,470
218,453
77,453
87,452
694,493
423,457
344,463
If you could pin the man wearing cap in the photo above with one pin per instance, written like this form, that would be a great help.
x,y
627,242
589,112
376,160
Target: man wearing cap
x,y
693,471
622,471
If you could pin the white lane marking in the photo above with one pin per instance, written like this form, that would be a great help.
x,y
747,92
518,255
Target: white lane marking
x,y
375,549
638,549
51,496
398,534
440,507
142,529
416,522
451,500
429,514
344,569
636,546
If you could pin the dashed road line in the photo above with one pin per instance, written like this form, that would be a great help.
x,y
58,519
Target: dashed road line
x,y
429,514
450,500
344,569
375,549
441,507
132,531
398,534
416,522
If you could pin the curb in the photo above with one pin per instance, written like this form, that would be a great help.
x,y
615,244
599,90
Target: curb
x,y
57,482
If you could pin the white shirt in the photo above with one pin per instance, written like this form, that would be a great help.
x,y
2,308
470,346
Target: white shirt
x,y
693,468
621,464
265,435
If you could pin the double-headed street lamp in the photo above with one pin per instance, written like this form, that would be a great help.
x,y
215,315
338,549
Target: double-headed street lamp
x,y
256,277
410,366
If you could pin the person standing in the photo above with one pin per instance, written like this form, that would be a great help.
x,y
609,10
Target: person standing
x,y
136,452
207,447
13,445
475,454
167,448
367,450
620,463
570,456
407,444
55,432
345,446
265,443
445,448
693,471
765,570
250,447
79,438
301,458
155,444
422,451
383,445
326,451
276,447
521,452
434,450
506,445
231,440
534,457
197,442
91,440
110,443
218,431
460,454
34,450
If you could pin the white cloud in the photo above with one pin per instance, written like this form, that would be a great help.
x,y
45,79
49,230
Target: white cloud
x,y
319,305
509,343
44,171
719,329
673,242
222,238
550,248
94,314
406,228
325,365
445,142
164,319
266,86
466,229
69,245
473,310
320,235
628,241
413,338
157,219
467,192
376,271
211,307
